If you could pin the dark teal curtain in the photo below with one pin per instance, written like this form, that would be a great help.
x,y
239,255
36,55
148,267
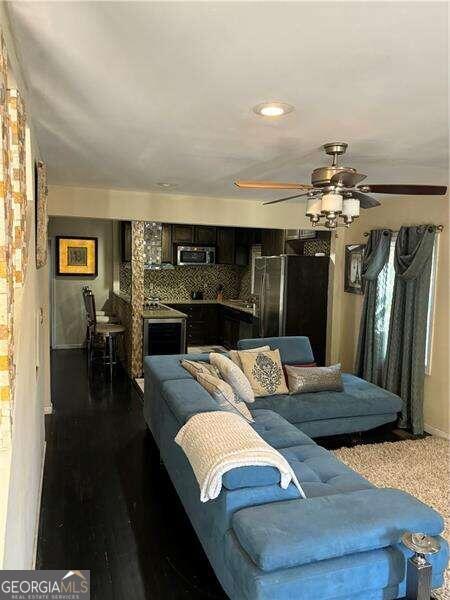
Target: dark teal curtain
x,y
370,351
405,358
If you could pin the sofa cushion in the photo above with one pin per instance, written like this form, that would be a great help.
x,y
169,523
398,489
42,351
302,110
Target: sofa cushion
x,y
296,532
276,431
280,434
165,367
359,398
186,397
321,473
293,349
373,575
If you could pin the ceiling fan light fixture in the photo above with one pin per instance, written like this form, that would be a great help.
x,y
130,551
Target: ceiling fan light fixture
x,y
273,109
350,207
332,203
314,206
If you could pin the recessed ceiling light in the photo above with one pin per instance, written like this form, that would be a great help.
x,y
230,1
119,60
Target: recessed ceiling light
x,y
165,184
273,109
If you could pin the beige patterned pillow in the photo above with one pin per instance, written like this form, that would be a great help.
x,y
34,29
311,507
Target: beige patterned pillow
x,y
265,372
199,366
233,375
234,354
302,380
223,394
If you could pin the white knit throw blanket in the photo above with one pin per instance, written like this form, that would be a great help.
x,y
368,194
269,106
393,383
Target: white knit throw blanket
x,y
216,442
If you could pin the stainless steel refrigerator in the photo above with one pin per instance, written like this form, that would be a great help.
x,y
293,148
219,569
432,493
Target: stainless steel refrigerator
x,y
292,296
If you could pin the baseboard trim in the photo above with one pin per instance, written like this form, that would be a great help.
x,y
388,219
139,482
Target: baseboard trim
x,y
38,510
437,432
67,346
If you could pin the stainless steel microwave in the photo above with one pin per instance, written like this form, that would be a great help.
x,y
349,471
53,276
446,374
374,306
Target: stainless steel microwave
x,y
196,255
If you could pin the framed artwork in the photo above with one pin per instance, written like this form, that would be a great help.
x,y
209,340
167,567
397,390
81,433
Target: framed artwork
x,y
354,254
76,256
41,195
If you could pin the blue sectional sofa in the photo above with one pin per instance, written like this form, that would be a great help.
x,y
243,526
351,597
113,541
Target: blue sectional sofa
x,y
263,542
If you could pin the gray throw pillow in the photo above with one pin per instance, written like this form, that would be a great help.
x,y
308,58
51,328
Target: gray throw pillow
x,y
223,394
199,366
302,380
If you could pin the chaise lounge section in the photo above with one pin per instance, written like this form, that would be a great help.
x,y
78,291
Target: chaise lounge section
x,y
265,542
360,407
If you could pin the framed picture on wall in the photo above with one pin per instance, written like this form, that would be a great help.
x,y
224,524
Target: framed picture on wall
x,y
354,254
76,256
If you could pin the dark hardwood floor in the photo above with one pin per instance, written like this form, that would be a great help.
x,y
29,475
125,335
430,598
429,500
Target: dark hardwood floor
x,y
107,503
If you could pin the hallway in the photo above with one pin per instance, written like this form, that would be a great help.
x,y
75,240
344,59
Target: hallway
x,y
107,504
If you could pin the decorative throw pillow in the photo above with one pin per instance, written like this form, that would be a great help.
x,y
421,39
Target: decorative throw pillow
x,y
223,394
303,365
233,375
314,379
199,366
234,354
264,371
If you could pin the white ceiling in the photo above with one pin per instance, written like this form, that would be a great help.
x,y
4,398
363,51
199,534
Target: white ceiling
x,y
126,94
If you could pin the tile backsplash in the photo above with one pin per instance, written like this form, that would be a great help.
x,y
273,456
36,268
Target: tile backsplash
x,y
178,283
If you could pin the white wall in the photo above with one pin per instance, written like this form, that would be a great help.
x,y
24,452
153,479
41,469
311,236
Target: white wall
x,y
174,208
68,314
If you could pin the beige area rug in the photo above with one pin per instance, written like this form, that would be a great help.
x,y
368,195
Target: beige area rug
x,y
419,467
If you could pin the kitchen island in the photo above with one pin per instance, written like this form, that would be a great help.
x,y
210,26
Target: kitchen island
x,y
171,326
164,330
221,322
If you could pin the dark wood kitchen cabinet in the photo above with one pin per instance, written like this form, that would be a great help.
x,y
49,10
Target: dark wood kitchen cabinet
x,y
193,234
205,235
234,325
225,245
202,325
272,242
230,332
183,234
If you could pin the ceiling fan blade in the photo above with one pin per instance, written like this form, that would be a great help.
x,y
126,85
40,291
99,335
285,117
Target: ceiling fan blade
x,y
272,185
365,201
284,199
418,190
347,179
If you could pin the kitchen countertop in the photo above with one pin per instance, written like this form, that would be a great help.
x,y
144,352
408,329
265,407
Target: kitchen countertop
x,y
167,312
228,303
163,312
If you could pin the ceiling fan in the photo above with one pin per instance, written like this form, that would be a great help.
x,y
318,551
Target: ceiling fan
x,y
334,191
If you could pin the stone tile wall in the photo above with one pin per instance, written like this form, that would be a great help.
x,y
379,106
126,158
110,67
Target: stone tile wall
x,y
178,283
13,238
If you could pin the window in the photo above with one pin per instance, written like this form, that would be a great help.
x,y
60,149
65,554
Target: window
x,y
385,290
431,306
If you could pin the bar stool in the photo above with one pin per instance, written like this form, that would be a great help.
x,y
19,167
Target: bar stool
x,y
106,332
